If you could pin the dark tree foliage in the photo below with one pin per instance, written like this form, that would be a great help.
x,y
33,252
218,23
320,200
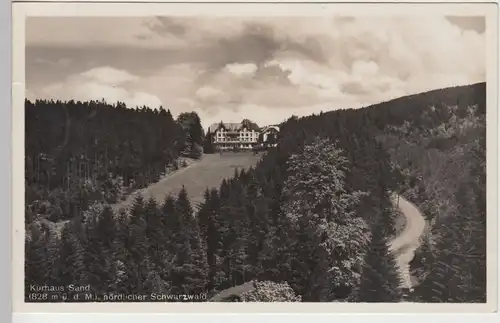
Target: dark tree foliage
x,y
301,216
209,232
440,153
270,292
192,145
208,144
364,135
328,237
189,274
255,239
71,266
380,279
80,152
456,258
37,266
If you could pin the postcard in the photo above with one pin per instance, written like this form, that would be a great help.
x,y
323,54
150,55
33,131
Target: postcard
x,y
283,157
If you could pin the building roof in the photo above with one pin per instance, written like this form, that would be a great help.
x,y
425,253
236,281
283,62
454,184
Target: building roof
x,y
266,128
234,291
234,126
227,126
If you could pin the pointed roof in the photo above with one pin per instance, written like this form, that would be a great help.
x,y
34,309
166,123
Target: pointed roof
x,y
233,126
266,128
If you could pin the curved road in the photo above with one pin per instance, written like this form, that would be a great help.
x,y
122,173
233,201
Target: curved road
x,y
408,241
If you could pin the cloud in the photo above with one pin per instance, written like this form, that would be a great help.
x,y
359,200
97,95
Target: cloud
x,y
476,23
241,69
58,62
166,26
364,68
109,75
81,32
208,94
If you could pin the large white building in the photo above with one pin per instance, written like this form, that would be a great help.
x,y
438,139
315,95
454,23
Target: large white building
x,y
226,136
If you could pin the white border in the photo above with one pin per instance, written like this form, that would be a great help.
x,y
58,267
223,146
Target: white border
x,y
21,10
5,163
260,1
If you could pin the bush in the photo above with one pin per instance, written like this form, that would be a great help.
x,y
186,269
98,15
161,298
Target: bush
x,y
196,151
268,291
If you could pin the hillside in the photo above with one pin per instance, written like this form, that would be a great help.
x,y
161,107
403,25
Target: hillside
x,y
195,178
313,216
81,153
434,143
441,155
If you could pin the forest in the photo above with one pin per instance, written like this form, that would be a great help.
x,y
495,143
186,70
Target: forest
x,y
77,153
309,223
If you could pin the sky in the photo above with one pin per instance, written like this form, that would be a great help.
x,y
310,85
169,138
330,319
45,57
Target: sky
x,y
264,69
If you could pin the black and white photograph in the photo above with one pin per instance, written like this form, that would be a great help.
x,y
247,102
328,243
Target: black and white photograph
x,y
228,158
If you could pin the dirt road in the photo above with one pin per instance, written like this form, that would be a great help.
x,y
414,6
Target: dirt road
x,y
408,241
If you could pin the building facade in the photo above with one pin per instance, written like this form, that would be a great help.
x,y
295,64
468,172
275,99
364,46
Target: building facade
x,y
242,136
269,136
230,136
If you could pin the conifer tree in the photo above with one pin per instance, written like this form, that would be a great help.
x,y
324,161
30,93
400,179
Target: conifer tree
x,y
172,223
137,246
157,241
71,253
380,278
154,230
105,232
36,258
106,226
204,214
184,209
121,255
189,274
209,230
95,260
208,145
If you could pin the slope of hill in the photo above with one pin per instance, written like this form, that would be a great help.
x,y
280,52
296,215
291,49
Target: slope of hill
x,y
196,178
278,222
80,152
441,156
435,146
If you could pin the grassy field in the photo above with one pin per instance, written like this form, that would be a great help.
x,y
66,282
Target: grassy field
x,y
207,172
